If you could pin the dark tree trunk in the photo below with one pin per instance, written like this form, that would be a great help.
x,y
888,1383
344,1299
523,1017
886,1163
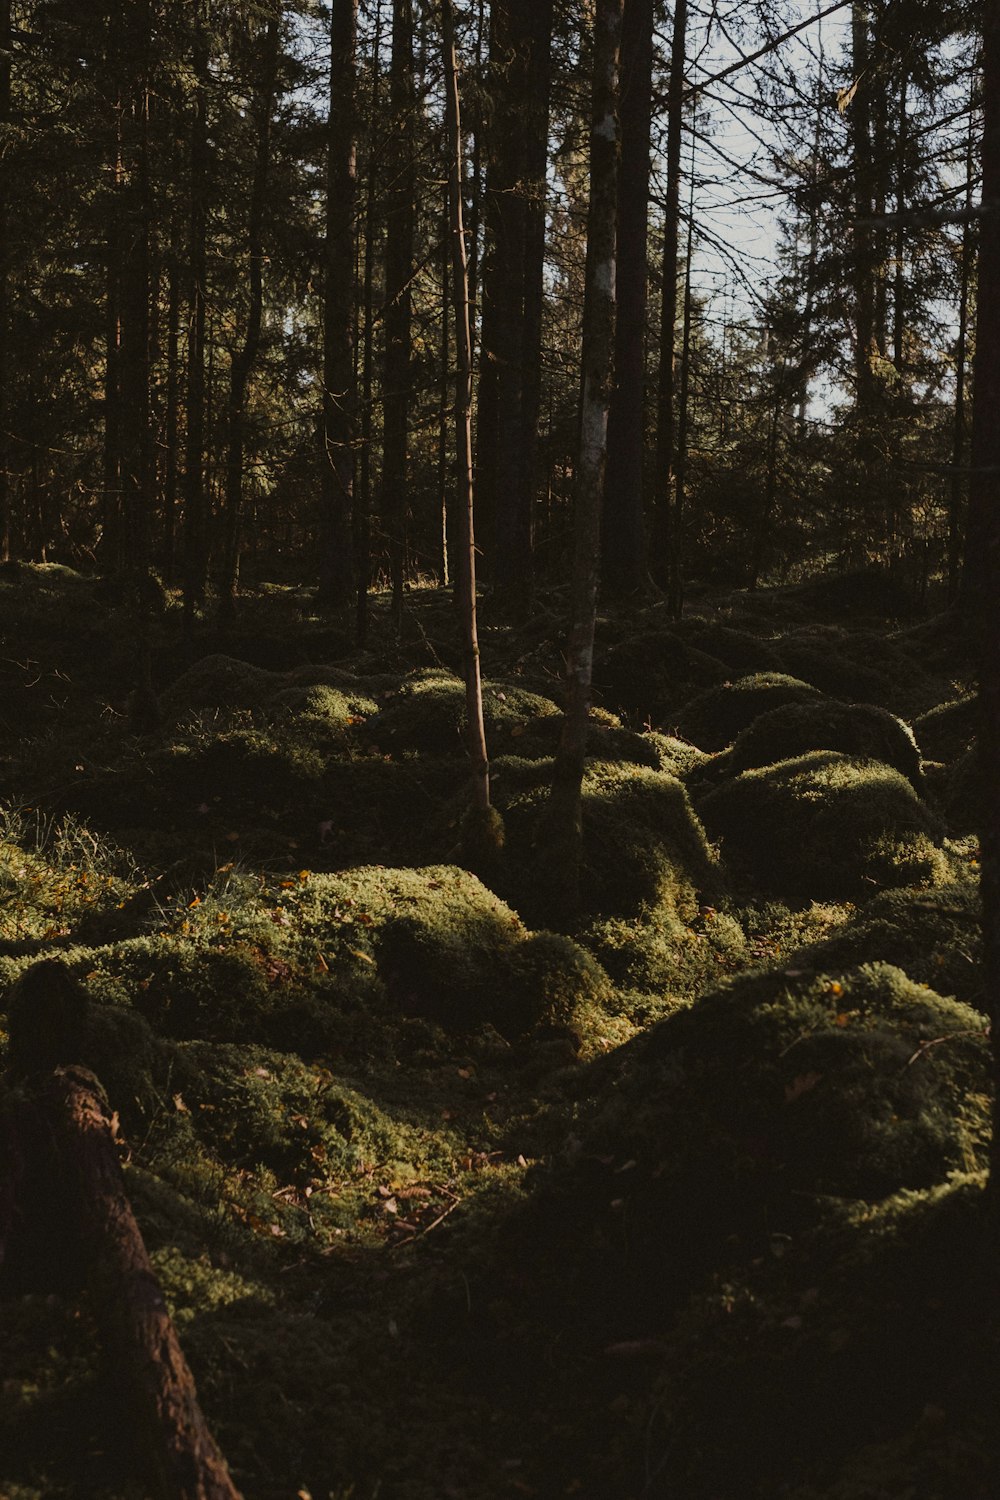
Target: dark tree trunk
x,y
111,522
363,504
958,433
475,728
398,297
244,358
5,267
863,258
136,435
664,532
171,424
622,543
564,825
984,535
339,396
195,498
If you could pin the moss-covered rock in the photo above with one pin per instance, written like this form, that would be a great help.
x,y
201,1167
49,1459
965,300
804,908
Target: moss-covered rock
x,y
538,738
320,715
649,677
828,670
675,756
218,683
946,731
643,846
858,729
428,714
825,825
932,935
738,650
656,955
965,793
715,718
853,1083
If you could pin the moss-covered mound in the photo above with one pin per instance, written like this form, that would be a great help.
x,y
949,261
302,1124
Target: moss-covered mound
x,y
661,961
858,729
643,846
538,738
650,676
320,715
218,683
828,670
825,825
945,732
965,793
932,935
675,756
737,649
853,1083
715,718
428,714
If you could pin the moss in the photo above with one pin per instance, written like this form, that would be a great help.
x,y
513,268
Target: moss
x,y
858,729
965,793
643,846
217,683
933,936
606,740
830,672
428,714
825,826
715,718
737,649
815,1082
675,756
568,991
320,715
946,731
650,676
657,955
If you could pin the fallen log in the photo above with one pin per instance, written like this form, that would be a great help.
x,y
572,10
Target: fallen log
x,y
139,1337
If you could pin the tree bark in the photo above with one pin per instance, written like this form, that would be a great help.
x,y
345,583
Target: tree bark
x,y
564,824
622,544
195,518
984,536
398,298
664,528
339,394
244,359
864,250
475,727
140,1339
5,266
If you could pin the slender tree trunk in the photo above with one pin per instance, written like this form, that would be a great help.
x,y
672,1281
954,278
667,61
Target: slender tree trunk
x,y
475,730
244,359
864,252
664,525
137,448
476,183
984,532
675,588
5,268
956,491
622,545
899,256
444,396
195,507
339,394
171,423
564,830
363,506
111,524
536,194
398,298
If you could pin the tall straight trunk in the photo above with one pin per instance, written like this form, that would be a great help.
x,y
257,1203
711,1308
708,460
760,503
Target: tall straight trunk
x,y
243,359
5,263
111,530
864,251
171,424
955,496
622,544
339,394
363,505
675,586
984,530
195,507
444,395
664,528
398,299
808,311
564,823
134,398
536,192
476,183
899,255
475,729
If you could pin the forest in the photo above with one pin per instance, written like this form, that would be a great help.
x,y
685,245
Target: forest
x,y
499,749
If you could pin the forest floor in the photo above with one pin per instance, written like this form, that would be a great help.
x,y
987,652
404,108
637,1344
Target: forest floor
x,y
452,1199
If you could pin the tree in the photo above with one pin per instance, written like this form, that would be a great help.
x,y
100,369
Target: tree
x,y
564,819
338,416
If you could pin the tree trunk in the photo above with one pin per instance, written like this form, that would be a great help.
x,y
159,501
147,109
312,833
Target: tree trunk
x,y
136,436
564,826
984,535
664,527
863,257
398,299
5,264
243,360
339,395
622,545
363,505
171,425
958,435
140,1340
195,518
475,728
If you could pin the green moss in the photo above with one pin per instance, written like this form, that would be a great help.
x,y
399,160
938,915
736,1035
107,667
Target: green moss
x,y
830,672
428,714
643,846
319,715
947,731
715,718
606,740
825,825
649,676
858,729
934,936
676,757
737,649
218,683
657,955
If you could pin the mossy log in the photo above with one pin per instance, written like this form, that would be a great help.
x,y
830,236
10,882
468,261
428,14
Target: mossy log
x,y
141,1344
